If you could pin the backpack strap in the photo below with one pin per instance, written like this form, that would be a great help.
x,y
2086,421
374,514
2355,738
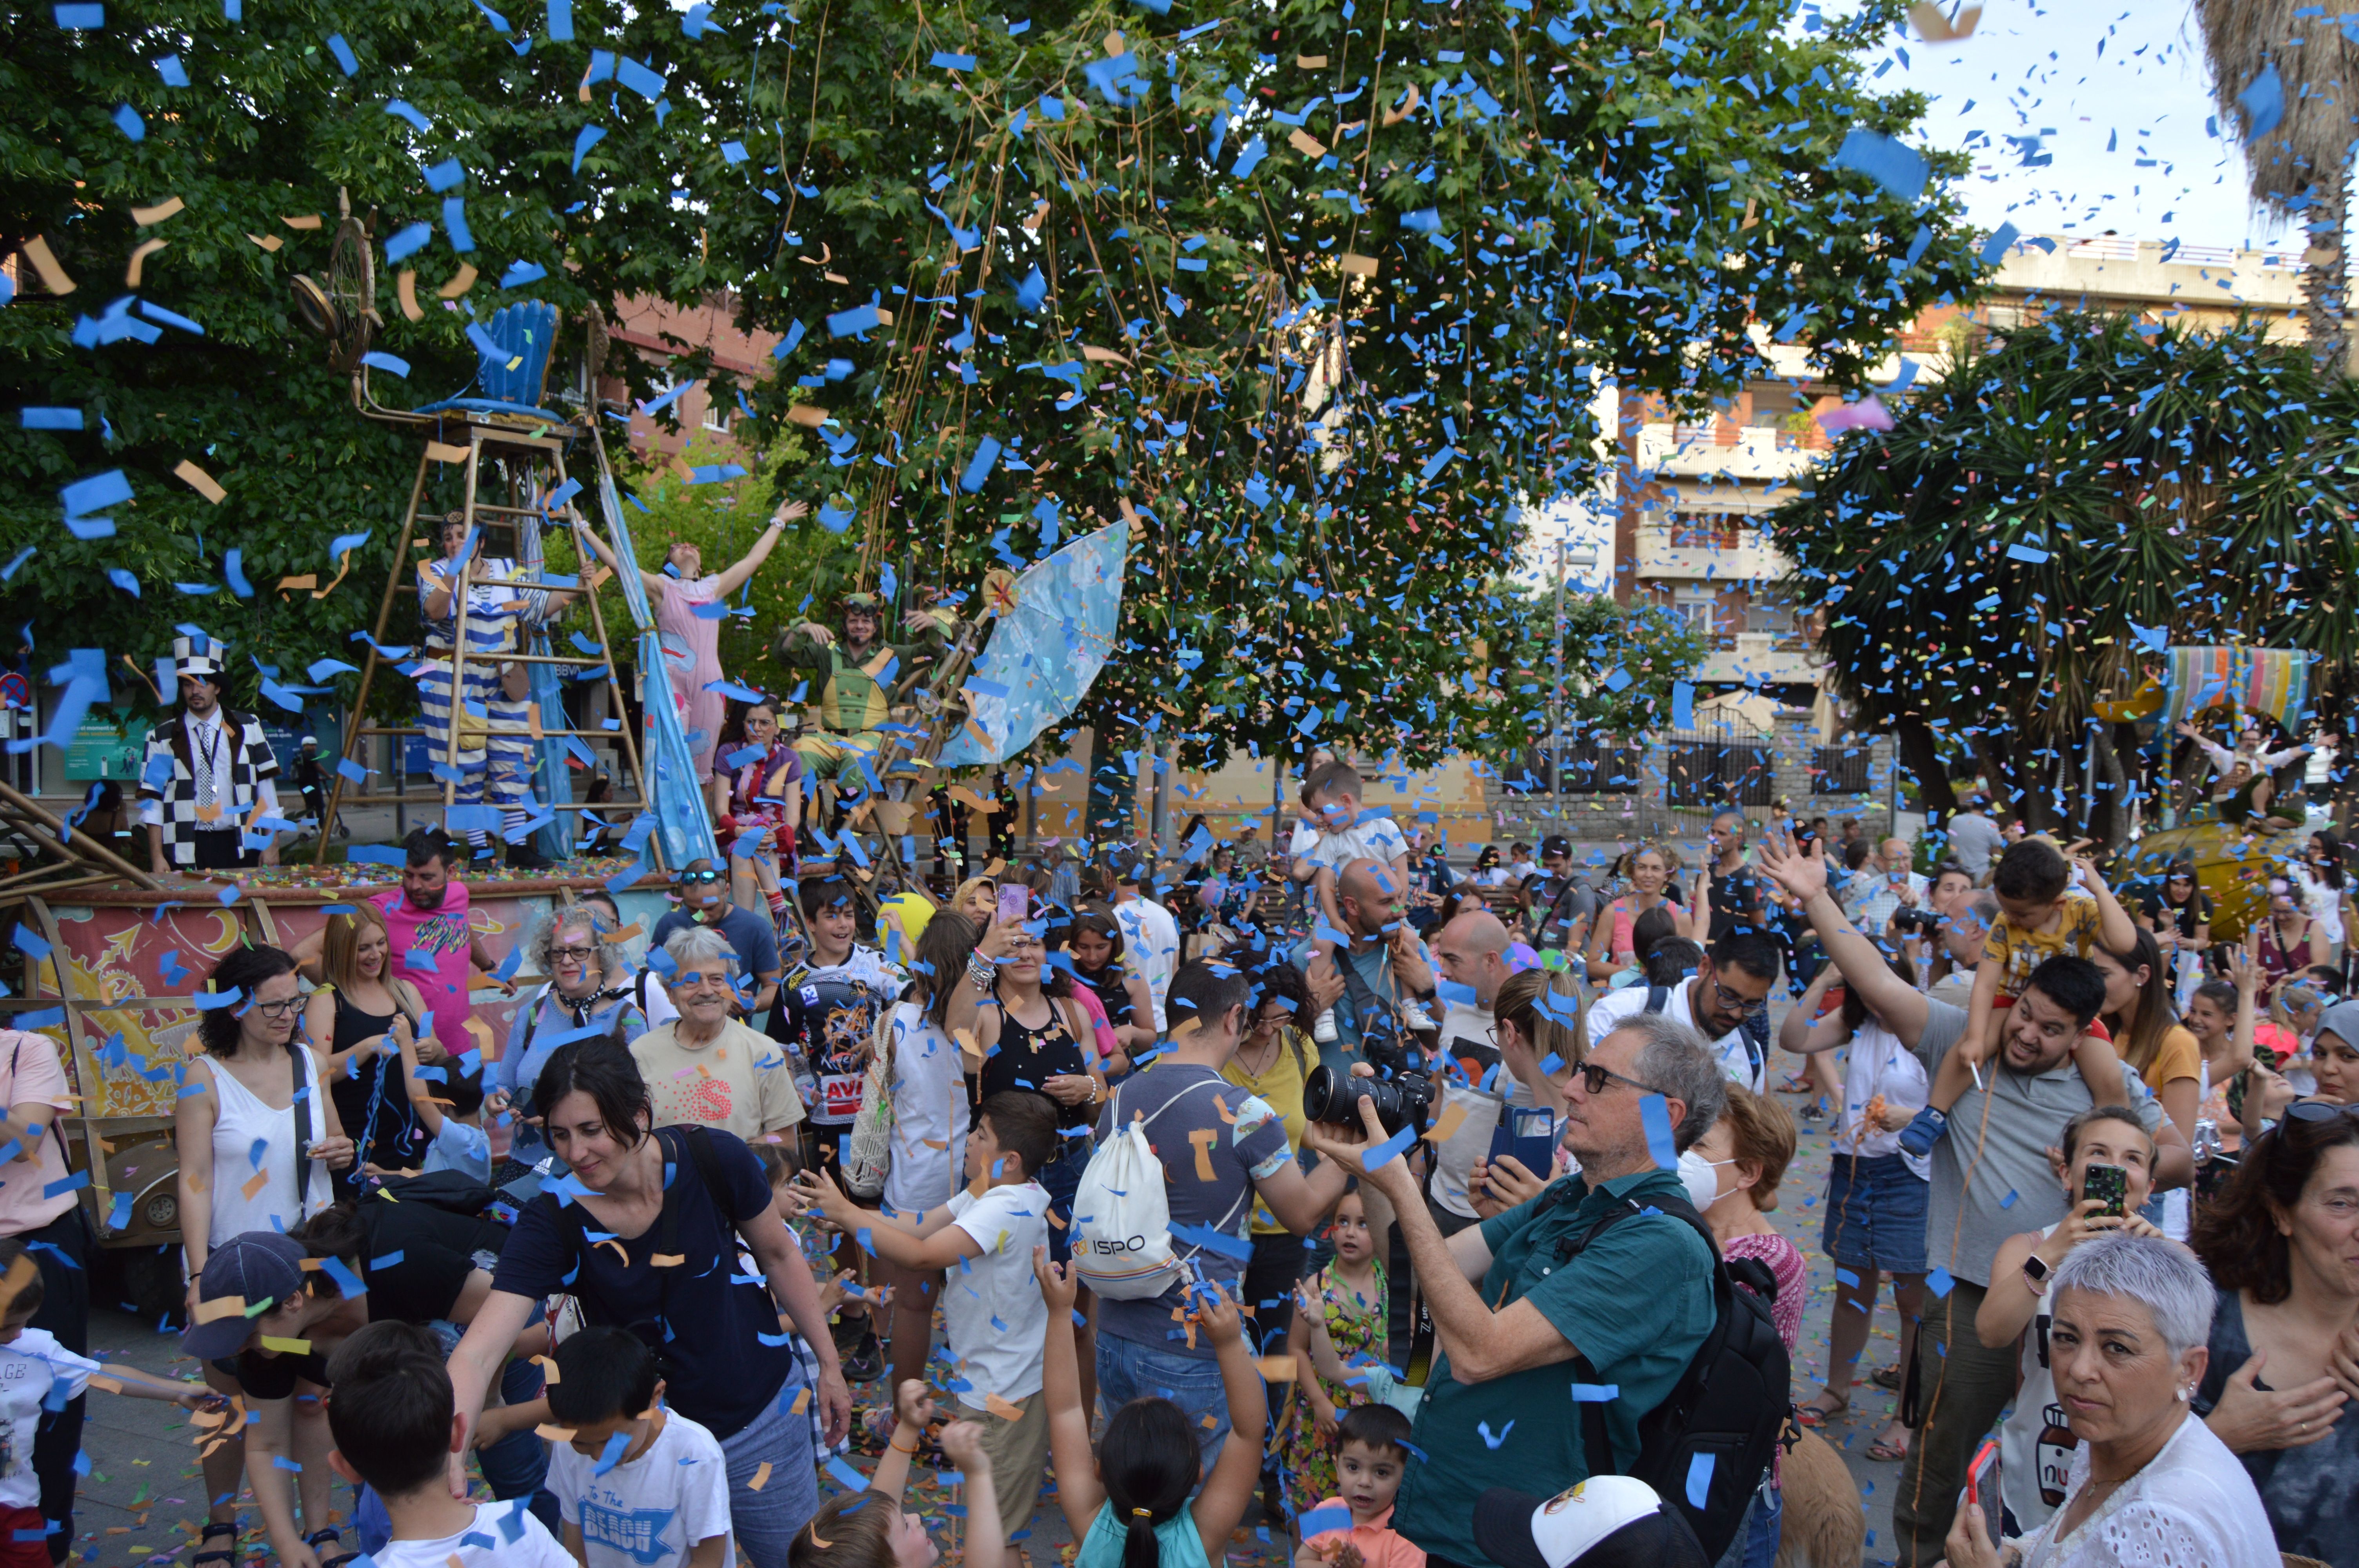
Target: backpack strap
x,y
305,1117
1658,997
1595,1444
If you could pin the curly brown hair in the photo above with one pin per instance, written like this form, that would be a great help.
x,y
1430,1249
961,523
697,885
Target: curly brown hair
x,y
2237,1234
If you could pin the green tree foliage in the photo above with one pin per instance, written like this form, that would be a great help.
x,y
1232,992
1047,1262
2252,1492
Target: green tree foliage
x,y
1321,293
2058,507
267,131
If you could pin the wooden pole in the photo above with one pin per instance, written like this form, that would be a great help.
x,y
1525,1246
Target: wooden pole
x,y
94,850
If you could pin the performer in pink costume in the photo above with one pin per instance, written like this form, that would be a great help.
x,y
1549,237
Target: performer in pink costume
x,y
675,598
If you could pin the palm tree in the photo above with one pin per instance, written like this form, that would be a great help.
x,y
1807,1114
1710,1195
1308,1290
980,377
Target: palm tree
x,y
2065,499
2298,140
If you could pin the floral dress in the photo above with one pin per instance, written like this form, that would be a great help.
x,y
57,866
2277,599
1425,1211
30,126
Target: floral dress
x,y
1354,1325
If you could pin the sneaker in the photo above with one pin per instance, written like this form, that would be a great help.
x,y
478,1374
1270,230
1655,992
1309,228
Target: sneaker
x,y
866,1362
1919,1136
1414,1015
1323,1031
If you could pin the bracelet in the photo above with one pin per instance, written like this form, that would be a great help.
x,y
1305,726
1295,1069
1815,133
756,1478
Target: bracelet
x,y
897,1448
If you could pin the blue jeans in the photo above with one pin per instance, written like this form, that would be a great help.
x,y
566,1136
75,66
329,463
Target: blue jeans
x,y
1063,1178
1128,1371
765,1522
1755,1545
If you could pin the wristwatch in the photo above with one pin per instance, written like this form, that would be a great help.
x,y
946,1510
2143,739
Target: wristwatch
x,y
2036,1273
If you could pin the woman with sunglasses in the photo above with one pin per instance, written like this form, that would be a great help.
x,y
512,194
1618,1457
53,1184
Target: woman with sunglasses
x,y
257,1139
589,986
2180,916
2282,1244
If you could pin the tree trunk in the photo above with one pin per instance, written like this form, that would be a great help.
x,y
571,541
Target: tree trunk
x,y
2326,276
1923,756
1999,773
2109,815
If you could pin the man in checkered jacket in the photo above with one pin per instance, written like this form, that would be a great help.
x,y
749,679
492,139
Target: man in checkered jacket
x,y
206,772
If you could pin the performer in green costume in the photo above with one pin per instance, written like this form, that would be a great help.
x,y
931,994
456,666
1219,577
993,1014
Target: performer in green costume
x,y
852,675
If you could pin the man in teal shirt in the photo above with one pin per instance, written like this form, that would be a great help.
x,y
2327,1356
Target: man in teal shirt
x,y
1637,1303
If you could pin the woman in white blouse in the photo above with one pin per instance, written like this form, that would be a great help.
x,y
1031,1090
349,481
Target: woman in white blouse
x,y
2150,1483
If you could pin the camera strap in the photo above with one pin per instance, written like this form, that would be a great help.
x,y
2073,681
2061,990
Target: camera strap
x,y
1365,1004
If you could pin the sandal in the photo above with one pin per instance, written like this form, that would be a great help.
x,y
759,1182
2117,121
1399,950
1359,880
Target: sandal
x,y
213,1528
1885,1451
1814,1413
1886,1377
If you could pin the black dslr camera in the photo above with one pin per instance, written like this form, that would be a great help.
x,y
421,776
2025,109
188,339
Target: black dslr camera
x,y
1911,921
1404,1095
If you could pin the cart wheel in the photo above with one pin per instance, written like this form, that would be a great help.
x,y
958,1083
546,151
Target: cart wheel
x,y
152,1281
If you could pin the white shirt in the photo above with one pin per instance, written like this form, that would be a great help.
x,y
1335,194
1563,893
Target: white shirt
x,y
2321,902
1151,941
207,739
533,1546
2193,1503
1880,898
1523,868
28,1368
992,1306
1735,1060
1376,838
651,1511
1455,1160
930,1118
1878,1063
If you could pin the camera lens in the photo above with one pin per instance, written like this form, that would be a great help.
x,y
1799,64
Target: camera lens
x,y
1332,1096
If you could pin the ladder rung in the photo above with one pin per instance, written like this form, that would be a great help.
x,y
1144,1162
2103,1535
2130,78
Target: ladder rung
x,y
584,734
435,798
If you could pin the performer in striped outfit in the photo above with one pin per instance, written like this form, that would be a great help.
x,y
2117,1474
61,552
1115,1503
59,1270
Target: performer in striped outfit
x,y
495,759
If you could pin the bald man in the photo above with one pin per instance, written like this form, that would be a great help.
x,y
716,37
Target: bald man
x,y
1472,953
1391,963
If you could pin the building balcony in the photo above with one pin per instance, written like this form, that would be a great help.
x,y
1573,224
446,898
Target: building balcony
x,y
1780,659
1748,560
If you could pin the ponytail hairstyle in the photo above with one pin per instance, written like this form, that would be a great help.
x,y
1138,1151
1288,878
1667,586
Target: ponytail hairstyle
x,y
1148,1460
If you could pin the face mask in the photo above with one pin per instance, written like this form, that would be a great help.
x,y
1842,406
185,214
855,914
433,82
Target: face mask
x,y
1697,1174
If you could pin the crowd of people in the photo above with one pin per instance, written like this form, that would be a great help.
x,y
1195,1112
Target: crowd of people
x,y
1350,1185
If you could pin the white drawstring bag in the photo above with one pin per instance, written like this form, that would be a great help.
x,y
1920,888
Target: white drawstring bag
x,y
1121,1221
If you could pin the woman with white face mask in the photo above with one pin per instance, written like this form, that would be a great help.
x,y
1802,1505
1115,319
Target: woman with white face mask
x,y
1732,1175
1875,1198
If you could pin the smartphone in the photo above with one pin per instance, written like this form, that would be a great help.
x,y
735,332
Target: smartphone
x,y
1014,901
1528,1133
1982,1476
2110,1185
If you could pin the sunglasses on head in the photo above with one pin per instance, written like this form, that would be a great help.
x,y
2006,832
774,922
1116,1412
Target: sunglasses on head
x,y
2318,1111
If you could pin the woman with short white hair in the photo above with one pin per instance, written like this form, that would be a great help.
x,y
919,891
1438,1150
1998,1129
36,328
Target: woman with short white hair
x,y
588,990
2150,1483
706,1066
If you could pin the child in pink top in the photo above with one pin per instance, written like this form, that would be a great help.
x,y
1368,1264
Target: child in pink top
x,y
1371,1455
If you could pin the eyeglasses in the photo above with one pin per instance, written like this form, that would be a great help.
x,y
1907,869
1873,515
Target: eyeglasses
x,y
1594,1078
278,1008
572,955
1743,1007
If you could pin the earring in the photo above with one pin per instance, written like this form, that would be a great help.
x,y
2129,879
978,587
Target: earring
x,y
2185,1395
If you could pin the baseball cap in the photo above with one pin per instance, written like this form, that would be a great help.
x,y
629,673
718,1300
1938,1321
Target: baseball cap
x,y
1606,1521
255,1266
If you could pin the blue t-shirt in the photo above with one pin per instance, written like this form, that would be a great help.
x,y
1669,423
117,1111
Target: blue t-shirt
x,y
718,1369
459,1147
750,936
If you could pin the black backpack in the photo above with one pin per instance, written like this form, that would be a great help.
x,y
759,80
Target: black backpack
x,y
1730,1408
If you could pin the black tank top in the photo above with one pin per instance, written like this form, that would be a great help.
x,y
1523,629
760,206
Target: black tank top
x,y
388,1143
1113,990
1027,1058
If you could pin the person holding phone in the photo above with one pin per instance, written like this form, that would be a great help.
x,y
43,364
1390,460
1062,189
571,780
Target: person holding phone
x,y
2108,1166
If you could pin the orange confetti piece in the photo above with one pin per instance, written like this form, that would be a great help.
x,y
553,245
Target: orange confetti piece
x,y
45,262
1002,1408
405,288
554,1434
461,281
255,1183
307,220
171,206
761,1477
146,248
198,479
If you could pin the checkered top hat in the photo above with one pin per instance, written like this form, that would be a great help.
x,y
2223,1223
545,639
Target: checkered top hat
x,y
196,655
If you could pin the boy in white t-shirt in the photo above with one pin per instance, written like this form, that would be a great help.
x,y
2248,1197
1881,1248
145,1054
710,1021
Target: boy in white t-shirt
x,y
991,1305
1342,833
37,1373
394,1430
640,1486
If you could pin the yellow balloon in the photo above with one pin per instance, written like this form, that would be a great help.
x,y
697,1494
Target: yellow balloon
x,y
2232,867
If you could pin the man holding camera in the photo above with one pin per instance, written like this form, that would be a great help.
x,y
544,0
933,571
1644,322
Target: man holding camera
x,y
1511,1312
1221,1148
1384,970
